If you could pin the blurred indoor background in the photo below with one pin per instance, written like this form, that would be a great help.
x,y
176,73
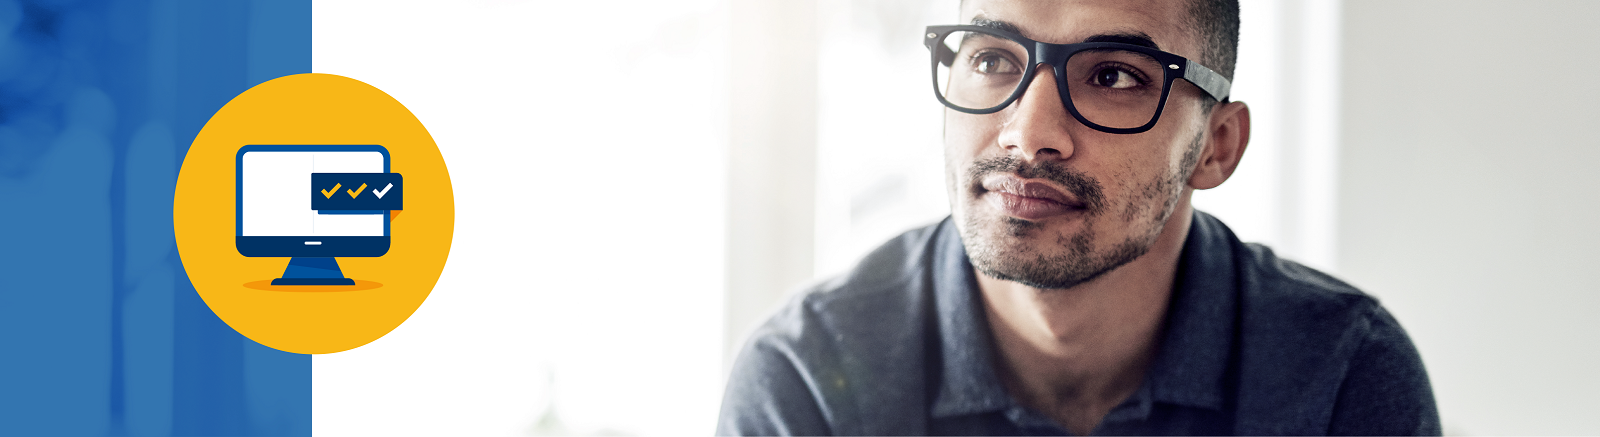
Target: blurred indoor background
x,y
639,183
679,167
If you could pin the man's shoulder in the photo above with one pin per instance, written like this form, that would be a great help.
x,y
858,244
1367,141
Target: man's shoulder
x,y
1284,302
839,348
886,285
1288,285
1311,348
887,270
1274,295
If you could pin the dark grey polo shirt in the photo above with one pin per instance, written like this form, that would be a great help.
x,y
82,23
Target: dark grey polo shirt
x,y
1253,344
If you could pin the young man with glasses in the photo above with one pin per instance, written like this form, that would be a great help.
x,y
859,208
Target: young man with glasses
x,y
1074,289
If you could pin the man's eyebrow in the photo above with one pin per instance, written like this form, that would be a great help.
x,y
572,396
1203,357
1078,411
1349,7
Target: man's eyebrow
x,y
1133,37
982,21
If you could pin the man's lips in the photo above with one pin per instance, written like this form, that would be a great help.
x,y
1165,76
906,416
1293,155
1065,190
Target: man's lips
x,y
1029,199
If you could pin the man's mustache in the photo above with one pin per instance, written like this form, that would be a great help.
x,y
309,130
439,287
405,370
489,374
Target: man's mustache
x,y
1081,186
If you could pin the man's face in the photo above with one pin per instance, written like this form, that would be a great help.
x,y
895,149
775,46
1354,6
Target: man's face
x,y
1046,201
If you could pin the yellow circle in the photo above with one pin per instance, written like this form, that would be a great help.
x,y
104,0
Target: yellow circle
x,y
313,109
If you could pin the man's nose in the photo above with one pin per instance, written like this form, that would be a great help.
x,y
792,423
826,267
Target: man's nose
x,y
1036,126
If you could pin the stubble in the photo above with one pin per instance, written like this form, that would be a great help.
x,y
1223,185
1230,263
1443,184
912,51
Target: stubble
x,y
998,245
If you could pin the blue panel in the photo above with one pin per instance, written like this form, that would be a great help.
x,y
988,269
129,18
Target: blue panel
x,y
100,331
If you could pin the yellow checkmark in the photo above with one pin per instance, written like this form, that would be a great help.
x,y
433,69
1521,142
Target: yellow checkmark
x,y
353,193
328,193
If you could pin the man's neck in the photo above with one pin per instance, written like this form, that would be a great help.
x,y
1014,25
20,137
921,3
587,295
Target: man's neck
x,y
1074,354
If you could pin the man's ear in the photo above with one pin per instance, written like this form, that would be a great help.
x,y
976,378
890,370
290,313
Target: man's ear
x,y
1228,134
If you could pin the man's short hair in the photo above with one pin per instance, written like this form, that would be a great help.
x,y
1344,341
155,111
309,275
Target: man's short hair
x,y
1217,24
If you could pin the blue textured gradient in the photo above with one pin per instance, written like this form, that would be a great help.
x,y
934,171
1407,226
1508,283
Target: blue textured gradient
x,y
100,331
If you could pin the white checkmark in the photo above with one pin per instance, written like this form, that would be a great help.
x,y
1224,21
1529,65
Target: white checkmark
x,y
381,193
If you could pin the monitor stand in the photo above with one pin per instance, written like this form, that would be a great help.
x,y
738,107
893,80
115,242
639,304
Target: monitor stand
x,y
313,271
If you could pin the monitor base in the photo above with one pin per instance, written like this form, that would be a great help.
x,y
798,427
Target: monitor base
x,y
313,271
313,281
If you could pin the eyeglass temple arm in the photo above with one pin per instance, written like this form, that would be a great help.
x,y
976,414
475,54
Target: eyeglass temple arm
x,y
946,56
1207,80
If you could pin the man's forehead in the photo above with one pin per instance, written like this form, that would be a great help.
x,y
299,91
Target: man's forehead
x,y
1071,21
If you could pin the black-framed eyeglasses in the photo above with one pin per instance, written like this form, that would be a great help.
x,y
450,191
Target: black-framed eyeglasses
x,y
1113,87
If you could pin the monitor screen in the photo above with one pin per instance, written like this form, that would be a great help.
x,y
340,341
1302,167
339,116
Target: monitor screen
x,y
273,215
274,199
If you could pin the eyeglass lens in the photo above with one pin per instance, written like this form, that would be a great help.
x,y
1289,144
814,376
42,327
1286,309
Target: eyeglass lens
x,y
1111,88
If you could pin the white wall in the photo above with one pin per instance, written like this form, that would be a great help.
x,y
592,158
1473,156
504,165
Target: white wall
x,y
585,143
771,155
880,157
1467,200
1283,192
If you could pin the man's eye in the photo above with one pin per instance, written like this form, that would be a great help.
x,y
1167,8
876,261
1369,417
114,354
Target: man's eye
x,y
995,64
1117,78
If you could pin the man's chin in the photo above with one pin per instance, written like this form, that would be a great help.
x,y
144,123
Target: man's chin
x,y
1025,252
1038,255
1035,281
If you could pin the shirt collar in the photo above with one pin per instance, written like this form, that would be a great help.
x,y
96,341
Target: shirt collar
x,y
967,381
1188,370
1193,360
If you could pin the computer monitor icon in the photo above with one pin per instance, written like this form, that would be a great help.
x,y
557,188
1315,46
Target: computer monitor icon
x,y
274,217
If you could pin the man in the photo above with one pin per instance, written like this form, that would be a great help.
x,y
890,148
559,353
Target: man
x,y
1074,289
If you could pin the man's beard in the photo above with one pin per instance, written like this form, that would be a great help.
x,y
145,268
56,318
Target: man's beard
x,y
995,244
